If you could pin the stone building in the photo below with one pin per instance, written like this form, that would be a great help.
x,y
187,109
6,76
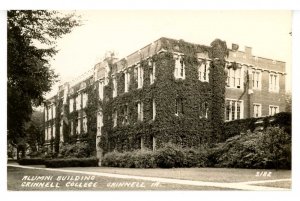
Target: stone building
x,y
163,92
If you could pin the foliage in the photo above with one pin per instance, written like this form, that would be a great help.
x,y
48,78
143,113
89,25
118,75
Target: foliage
x,y
170,155
288,102
268,149
77,150
31,36
236,127
71,162
31,161
188,129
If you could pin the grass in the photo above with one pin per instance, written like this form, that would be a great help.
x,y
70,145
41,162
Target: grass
x,y
196,174
278,184
15,175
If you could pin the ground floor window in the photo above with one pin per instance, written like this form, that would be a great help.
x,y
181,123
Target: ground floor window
x,y
273,109
256,110
234,110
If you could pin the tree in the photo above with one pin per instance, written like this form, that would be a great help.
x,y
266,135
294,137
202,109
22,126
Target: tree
x,y
31,39
288,102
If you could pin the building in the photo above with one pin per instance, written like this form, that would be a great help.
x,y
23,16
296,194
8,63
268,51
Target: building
x,y
169,90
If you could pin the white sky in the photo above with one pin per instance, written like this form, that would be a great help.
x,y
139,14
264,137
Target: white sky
x,y
126,31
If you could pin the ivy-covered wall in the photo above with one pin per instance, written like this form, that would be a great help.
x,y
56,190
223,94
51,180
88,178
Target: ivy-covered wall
x,y
187,128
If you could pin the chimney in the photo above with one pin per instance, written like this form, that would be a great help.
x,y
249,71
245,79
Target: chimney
x,y
248,51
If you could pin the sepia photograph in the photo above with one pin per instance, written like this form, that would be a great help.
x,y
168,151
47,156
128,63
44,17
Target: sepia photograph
x,y
149,100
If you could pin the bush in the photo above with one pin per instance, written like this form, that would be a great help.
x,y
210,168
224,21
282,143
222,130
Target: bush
x,y
72,162
169,156
268,149
78,150
195,158
31,161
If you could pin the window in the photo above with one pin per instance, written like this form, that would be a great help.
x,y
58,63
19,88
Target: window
x,y
234,110
273,109
84,100
71,125
46,116
178,106
54,111
140,76
78,102
234,78
46,134
49,133
115,118
82,85
61,134
256,110
99,123
78,128
203,110
71,105
53,129
125,115
49,113
127,81
101,86
153,109
152,71
256,79
114,86
179,68
140,111
204,71
84,124
273,82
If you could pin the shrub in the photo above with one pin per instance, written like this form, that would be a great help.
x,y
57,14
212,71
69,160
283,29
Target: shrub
x,y
72,162
31,161
169,156
268,149
195,157
78,150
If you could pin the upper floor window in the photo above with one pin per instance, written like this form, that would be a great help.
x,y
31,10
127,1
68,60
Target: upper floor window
x,y
256,79
84,100
140,110
203,110
152,71
273,109
101,90
82,85
179,68
84,124
179,106
71,105
274,82
234,78
125,115
115,89
50,112
54,111
115,118
140,74
78,128
234,110
127,81
153,109
204,71
71,128
61,134
99,123
78,102
53,129
256,110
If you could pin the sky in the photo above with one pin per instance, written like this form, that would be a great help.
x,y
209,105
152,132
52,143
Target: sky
x,y
125,31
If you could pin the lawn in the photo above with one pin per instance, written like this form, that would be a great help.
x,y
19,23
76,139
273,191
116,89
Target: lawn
x,y
196,174
15,176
